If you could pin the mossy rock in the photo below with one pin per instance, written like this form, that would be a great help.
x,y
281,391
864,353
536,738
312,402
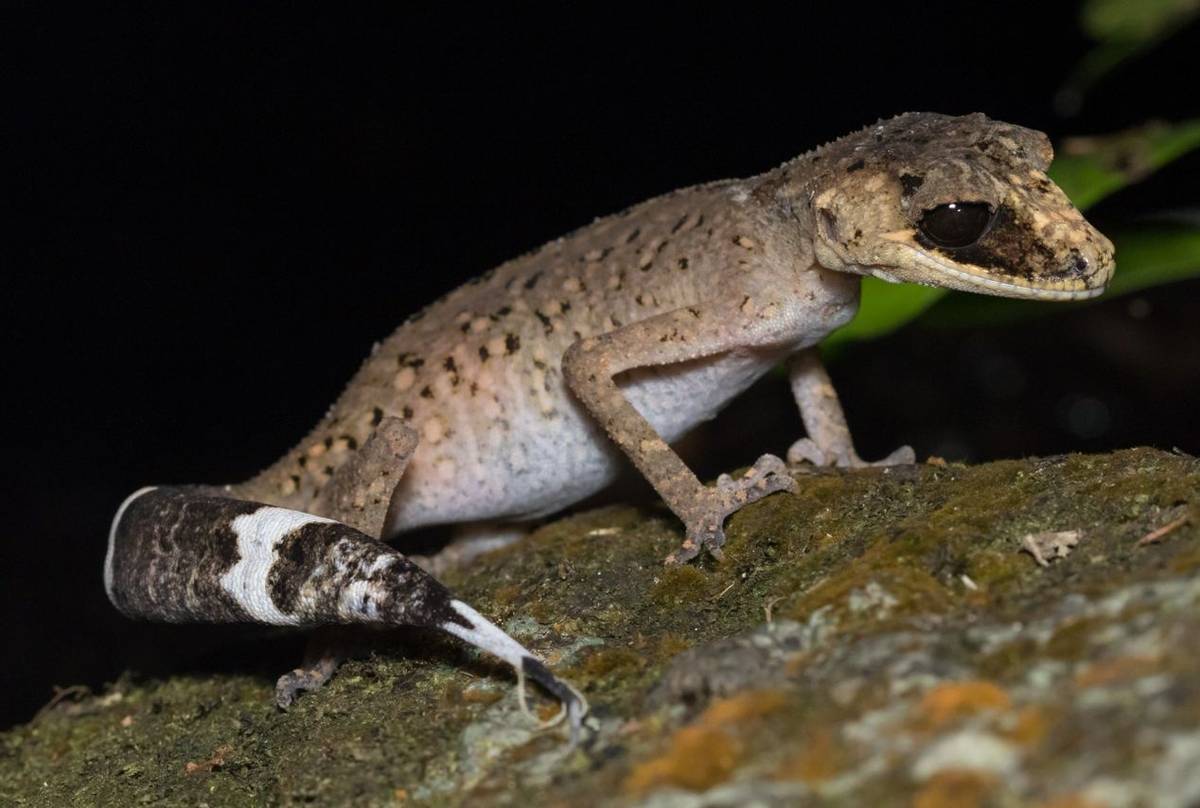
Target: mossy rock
x,y
914,655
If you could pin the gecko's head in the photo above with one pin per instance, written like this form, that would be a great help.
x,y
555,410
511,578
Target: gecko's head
x,y
959,202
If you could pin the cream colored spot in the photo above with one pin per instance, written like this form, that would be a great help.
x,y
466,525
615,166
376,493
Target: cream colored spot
x,y
404,379
479,324
571,285
446,469
495,346
433,430
593,255
316,450
824,198
490,408
340,445
287,487
463,317
770,311
614,281
551,308
745,242
875,183
748,306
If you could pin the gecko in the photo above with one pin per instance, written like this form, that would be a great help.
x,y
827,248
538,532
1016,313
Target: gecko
x,y
527,389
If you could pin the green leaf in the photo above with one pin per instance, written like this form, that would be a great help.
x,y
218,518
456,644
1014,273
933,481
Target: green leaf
x,y
1091,168
884,308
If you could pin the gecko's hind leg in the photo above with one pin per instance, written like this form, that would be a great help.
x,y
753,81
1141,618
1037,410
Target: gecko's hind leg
x,y
469,542
358,495
361,490
327,648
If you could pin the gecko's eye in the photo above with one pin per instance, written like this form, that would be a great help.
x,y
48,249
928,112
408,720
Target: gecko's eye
x,y
958,224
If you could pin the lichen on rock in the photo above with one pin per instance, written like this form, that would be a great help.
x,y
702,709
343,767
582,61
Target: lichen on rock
x,y
914,654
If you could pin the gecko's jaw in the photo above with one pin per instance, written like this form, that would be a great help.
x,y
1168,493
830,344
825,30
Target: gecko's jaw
x,y
963,277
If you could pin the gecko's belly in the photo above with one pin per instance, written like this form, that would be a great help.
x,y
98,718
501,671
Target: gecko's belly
x,y
542,453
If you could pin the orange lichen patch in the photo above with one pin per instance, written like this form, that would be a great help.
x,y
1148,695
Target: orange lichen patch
x,y
605,661
821,757
1029,726
1118,669
708,751
1069,801
955,788
951,701
548,711
743,706
480,695
699,758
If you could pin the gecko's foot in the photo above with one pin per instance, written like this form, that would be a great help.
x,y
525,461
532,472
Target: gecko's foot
x,y
806,451
706,531
312,676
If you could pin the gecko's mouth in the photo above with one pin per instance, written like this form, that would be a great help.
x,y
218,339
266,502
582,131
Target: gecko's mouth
x,y
968,280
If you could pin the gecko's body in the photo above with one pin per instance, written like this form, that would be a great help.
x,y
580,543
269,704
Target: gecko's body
x,y
516,394
479,376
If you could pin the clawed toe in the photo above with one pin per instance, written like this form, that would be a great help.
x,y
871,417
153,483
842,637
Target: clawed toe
x,y
807,451
312,676
768,475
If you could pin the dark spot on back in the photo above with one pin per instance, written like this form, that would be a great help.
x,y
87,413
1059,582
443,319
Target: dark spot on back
x,y
857,165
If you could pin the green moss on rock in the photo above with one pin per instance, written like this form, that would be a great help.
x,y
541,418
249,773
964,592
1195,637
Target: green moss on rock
x,y
893,582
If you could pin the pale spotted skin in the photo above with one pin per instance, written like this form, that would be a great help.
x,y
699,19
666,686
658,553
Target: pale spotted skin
x,y
518,389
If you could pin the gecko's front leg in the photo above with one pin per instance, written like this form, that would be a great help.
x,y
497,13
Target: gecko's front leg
x,y
689,333
829,442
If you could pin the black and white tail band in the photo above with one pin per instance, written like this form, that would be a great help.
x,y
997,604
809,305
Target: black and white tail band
x,y
184,555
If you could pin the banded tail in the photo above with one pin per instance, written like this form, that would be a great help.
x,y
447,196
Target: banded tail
x,y
179,554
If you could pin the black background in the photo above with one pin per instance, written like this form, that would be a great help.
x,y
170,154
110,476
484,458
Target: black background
x,y
210,215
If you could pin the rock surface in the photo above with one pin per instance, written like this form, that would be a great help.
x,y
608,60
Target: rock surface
x,y
879,638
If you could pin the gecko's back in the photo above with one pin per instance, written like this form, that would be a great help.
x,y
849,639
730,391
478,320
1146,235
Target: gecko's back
x,y
478,373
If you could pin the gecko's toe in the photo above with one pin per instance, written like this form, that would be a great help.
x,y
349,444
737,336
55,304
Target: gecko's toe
x,y
805,450
904,456
705,531
302,680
